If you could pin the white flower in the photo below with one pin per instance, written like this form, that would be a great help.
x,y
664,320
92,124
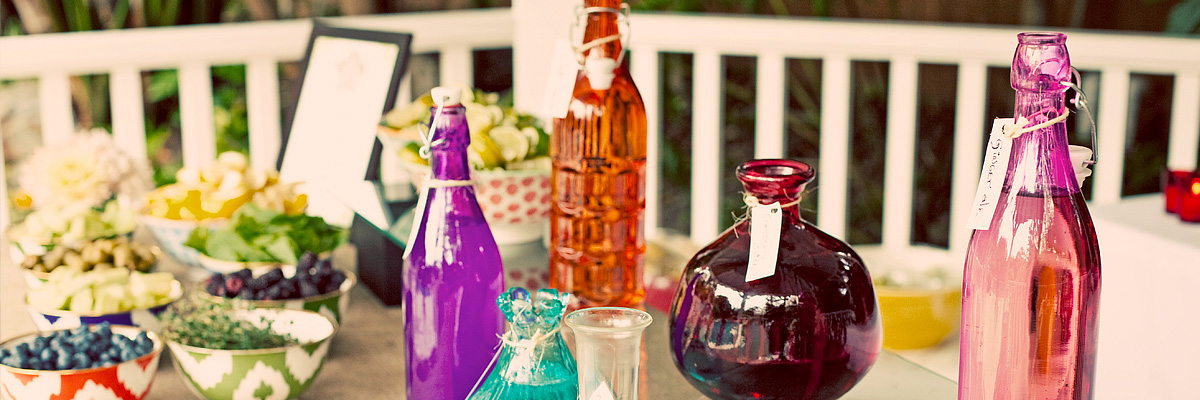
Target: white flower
x,y
88,169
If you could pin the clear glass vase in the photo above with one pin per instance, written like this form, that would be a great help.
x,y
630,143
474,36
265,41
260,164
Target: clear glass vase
x,y
608,343
810,330
1031,287
534,362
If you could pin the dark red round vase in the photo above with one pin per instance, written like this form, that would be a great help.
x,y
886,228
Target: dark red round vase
x,y
809,331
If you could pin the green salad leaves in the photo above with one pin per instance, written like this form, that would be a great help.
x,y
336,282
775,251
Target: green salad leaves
x,y
254,234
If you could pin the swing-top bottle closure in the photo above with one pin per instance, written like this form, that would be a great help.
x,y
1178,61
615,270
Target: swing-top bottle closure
x,y
602,70
1050,72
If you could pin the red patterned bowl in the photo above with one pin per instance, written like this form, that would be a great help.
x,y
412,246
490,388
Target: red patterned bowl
x,y
515,203
129,380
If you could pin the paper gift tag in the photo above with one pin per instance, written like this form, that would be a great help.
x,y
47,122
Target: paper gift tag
x,y
766,223
561,82
991,179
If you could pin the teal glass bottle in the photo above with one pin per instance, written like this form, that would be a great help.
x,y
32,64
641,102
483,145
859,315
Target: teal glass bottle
x,y
534,362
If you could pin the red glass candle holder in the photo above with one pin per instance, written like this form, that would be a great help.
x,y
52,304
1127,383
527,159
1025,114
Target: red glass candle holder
x,y
1172,182
1189,198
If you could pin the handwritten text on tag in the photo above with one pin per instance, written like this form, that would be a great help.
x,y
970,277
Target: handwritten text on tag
x,y
561,82
991,179
766,223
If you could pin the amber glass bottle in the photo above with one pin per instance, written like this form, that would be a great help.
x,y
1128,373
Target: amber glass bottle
x,y
598,184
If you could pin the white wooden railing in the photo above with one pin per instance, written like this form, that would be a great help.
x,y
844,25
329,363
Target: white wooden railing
x,y
533,26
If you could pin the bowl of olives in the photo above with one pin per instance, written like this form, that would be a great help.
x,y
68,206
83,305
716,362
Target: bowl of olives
x,y
96,255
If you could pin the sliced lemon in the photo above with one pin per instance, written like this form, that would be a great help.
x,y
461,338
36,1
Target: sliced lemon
x,y
513,144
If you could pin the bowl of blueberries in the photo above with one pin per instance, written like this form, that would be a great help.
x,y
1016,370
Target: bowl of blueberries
x,y
100,361
313,284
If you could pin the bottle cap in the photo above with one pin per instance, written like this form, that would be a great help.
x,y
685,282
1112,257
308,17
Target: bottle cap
x,y
446,96
600,72
1079,156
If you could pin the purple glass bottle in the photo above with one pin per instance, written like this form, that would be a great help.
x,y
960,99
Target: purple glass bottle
x,y
1031,288
453,272
809,331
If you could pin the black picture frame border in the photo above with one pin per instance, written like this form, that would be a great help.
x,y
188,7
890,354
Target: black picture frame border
x,y
321,27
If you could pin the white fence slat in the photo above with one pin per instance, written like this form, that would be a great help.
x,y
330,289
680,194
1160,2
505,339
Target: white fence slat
x,y
54,101
3,196
80,53
644,69
1111,129
1185,122
833,168
901,150
262,98
128,110
706,145
969,133
196,114
455,66
769,128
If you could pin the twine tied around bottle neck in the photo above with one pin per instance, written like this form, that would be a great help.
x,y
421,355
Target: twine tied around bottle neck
x,y
438,183
532,341
622,17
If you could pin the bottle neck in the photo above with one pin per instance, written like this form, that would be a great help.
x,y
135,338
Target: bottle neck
x,y
776,181
600,25
448,148
1040,162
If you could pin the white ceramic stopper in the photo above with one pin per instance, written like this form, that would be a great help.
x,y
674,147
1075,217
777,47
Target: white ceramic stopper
x,y
600,72
445,96
1079,155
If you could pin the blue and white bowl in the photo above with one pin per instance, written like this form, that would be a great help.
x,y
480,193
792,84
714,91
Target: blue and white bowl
x,y
145,318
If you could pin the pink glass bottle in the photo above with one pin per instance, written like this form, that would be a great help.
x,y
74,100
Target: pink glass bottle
x,y
811,330
1031,288
453,273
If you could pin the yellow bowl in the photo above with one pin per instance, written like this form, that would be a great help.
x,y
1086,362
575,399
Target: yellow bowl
x,y
916,317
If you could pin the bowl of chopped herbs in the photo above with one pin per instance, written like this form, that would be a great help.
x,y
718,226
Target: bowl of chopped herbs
x,y
229,353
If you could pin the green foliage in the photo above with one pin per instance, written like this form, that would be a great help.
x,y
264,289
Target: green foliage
x,y
1184,18
211,325
254,234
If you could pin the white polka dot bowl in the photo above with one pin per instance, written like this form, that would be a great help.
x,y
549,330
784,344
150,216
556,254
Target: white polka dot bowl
x,y
128,380
275,373
515,203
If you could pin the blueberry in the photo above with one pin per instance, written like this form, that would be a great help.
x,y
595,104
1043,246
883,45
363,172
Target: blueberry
x,y
325,264
39,343
244,274
23,350
4,353
308,289
104,330
11,361
308,259
246,295
273,276
129,354
256,284
79,330
47,355
105,359
82,361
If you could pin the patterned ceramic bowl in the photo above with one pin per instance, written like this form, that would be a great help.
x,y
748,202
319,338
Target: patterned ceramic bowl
x,y
129,380
515,203
242,374
172,233
146,318
330,304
